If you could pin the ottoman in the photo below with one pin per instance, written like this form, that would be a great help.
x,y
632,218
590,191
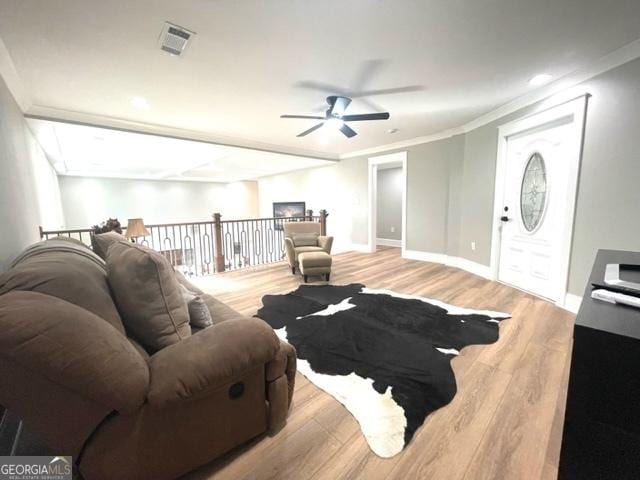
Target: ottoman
x,y
314,263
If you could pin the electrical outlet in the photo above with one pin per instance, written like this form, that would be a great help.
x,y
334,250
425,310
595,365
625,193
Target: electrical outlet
x,y
473,245
393,229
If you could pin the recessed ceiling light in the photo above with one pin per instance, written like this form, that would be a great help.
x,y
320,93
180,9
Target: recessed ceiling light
x,y
139,102
540,80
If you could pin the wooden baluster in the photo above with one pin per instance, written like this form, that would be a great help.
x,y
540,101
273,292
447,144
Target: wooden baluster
x,y
217,242
323,222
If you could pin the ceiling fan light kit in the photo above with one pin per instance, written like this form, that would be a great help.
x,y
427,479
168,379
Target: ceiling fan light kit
x,y
335,118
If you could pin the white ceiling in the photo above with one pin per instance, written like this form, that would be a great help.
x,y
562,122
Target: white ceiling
x,y
244,67
99,152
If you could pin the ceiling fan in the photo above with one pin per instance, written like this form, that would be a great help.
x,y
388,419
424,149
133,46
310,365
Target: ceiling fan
x,y
335,116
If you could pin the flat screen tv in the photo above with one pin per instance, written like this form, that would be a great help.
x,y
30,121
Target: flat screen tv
x,y
288,210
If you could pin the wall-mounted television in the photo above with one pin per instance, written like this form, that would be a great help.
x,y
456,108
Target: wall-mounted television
x,y
288,210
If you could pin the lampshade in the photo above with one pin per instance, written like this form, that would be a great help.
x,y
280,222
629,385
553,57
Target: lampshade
x,y
136,228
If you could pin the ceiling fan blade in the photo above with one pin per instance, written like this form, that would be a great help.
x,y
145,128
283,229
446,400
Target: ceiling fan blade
x,y
387,91
370,104
348,131
312,129
366,116
338,104
321,86
367,70
309,117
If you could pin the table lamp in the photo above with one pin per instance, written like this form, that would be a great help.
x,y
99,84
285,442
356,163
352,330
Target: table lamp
x,y
135,229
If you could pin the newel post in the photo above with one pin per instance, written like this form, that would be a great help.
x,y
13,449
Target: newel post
x,y
309,215
218,252
323,222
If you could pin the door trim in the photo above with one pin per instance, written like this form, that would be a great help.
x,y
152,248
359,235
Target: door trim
x,y
400,157
576,109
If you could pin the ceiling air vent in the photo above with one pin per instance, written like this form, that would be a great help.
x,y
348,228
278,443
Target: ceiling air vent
x,y
174,39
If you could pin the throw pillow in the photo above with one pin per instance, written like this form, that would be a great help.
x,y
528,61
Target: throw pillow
x,y
147,294
199,314
102,241
305,239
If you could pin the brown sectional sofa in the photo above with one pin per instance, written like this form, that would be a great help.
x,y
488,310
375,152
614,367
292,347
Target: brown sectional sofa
x,y
75,375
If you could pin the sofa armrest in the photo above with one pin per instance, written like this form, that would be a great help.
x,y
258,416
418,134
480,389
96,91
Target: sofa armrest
x,y
283,364
204,362
325,243
61,343
290,251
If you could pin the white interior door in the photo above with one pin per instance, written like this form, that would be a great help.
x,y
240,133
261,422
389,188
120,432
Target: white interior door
x,y
539,175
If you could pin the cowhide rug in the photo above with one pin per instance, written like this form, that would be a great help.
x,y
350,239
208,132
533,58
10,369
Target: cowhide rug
x,y
383,355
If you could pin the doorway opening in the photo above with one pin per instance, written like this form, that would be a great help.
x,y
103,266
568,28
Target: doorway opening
x,y
388,202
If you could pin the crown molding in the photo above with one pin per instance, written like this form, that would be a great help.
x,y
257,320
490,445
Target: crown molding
x,y
405,143
554,91
10,75
39,112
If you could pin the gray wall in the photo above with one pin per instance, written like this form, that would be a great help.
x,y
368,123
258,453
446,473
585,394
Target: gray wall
x,y
26,180
389,205
87,201
608,208
456,177
428,194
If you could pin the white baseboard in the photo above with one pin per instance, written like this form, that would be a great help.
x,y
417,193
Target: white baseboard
x,y
351,247
476,268
572,302
388,242
425,256
458,262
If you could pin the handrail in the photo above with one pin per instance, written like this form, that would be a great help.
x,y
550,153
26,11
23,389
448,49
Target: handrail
x,y
296,219
212,246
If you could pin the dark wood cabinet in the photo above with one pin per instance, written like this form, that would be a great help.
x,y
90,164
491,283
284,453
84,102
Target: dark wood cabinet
x,y
601,436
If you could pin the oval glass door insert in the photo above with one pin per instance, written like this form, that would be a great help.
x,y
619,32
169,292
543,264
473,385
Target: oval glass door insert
x,y
533,192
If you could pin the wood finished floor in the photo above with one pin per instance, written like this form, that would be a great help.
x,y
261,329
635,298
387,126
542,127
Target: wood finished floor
x,y
504,423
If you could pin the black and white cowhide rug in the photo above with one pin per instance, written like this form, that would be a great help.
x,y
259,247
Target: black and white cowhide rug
x,y
383,355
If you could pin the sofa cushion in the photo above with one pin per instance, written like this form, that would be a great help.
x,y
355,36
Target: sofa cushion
x,y
102,241
305,239
300,250
199,314
314,259
148,295
54,339
68,270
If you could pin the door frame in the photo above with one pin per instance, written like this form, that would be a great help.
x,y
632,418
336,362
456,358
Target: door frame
x,y
575,109
374,162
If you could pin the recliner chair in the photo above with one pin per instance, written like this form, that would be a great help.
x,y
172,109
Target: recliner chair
x,y
324,243
77,378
